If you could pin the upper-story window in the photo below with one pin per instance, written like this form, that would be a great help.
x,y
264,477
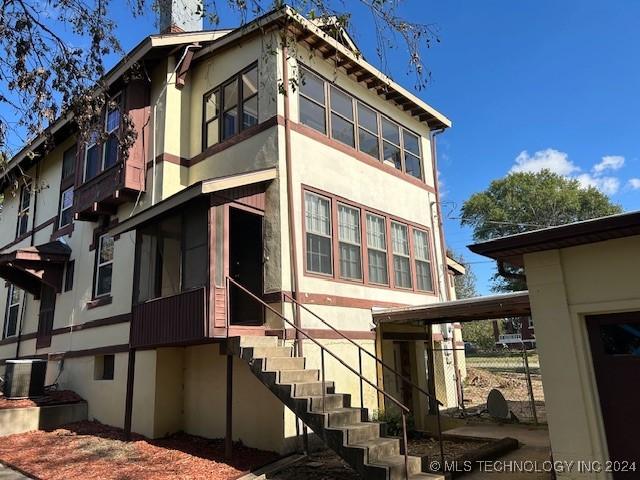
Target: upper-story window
x,y
65,212
99,156
401,255
350,241
377,249
231,107
357,125
12,314
104,266
24,204
422,260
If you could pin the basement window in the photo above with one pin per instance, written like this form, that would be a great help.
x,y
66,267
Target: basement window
x,y
103,367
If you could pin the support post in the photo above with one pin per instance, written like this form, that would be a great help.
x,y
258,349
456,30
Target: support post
x,y
128,407
228,439
527,372
431,370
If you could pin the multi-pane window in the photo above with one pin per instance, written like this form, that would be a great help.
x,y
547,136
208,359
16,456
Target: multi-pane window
x,y
230,108
422,259
377,249
12,315
68,275
401,255
321,103
23,209
104,266
350,241
312,102
112,130
342,121
368,131
391,143
66,207
99,156
69,163
318,230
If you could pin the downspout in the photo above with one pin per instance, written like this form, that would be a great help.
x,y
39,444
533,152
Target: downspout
x,y
291,216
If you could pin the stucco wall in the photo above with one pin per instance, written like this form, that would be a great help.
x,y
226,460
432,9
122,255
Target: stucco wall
x,y
564,286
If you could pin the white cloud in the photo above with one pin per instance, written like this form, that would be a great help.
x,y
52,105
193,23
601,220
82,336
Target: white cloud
x,y
558,162
609,162
550,159
607,185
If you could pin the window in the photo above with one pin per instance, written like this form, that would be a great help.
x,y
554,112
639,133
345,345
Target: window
x,y
104,266
23,209
391,143
422,259
349,240
104,367
68,275
69,163
342,121
99,156
318,230
312,102
377,249
12,314
112,129
401,259
361,127
66,207
230,108
621,338
368,132
412,154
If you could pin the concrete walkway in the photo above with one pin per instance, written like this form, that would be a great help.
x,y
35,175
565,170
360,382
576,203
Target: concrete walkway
x,y
7,473
535,448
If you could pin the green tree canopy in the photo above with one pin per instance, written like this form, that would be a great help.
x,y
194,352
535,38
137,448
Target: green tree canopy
x,y
526,201
465,285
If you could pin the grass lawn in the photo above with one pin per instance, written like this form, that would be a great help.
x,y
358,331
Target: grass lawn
x,y
89,450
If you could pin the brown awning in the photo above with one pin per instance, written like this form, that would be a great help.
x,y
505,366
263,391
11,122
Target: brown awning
x,y
511,249
30,267
503,305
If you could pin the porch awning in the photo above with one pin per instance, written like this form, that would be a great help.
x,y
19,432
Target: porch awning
x,y
514,304
30,267
201,188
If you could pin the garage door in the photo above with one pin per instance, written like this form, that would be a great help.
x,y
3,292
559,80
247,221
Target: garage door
x,y
615,349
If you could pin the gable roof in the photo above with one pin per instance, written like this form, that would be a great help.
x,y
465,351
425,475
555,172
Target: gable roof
x,y
511,248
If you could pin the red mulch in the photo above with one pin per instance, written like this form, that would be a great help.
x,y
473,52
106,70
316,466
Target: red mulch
x,y
50,398
89,450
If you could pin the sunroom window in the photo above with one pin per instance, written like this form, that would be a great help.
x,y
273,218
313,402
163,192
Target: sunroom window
x,y
312,102
342,122
377,249
401,259
424,281
350,240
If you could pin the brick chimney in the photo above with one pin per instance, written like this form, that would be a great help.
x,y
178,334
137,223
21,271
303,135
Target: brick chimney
x,y
180,15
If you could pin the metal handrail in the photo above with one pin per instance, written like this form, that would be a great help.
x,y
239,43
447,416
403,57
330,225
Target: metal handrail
x,y
400,405
384,365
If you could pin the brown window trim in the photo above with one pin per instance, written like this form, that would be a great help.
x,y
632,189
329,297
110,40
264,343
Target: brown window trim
x,y
335,276
99,302
65,184
327,111
240,101
23,189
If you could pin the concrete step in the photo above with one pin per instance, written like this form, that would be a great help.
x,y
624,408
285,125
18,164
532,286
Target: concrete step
x,y
296,376
359,432
344,416
249,353
309,389
274,364
327,403
258,341
379,448
396,466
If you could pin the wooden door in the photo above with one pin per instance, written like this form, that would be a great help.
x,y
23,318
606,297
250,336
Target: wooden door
x,y
615,351
45,317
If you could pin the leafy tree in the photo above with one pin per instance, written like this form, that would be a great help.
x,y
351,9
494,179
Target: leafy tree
x,y
44,73
465,285
527,201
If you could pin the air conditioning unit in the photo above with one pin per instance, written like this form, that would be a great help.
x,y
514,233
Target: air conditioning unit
x,y
24,378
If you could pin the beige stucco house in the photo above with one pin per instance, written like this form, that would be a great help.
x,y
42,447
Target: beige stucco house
x,y
585,300
128,272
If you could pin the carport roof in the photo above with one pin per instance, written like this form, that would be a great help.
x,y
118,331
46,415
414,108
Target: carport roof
x,y
515,304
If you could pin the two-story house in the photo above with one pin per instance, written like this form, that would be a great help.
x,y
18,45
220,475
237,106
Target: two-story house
x,y
280,187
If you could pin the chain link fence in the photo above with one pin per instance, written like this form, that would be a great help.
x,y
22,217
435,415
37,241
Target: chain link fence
x,y
515,373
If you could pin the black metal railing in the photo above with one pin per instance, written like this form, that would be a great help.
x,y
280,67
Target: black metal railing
x,y
403,408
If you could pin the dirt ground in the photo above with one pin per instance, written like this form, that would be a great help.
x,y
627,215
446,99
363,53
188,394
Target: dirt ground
x,y
51,398
89,450
480,382
452,450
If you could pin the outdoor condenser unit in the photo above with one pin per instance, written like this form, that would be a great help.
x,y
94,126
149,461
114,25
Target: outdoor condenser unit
x,y
24,378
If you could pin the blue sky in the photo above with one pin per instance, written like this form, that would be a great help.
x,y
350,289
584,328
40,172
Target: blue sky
x,y
542,83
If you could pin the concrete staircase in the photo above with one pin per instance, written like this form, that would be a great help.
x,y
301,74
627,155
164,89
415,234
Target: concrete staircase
x,y
344,429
